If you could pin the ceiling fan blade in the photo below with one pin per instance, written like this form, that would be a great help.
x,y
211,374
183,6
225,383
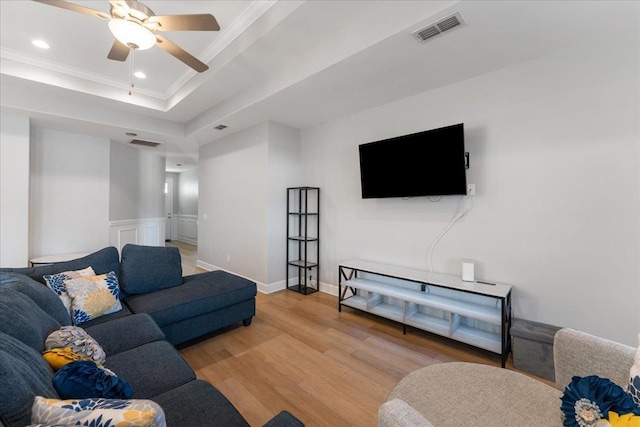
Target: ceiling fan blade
x,y
181,54
119,51
75,8
198,22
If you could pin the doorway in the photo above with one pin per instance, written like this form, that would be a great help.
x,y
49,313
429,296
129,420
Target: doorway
x,y
168,207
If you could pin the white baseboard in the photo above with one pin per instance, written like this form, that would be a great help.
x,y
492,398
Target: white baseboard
x,y
270,288
329,288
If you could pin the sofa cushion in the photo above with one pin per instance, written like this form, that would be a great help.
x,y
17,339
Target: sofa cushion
x,y
151,369
125,333
102,261
200,293
21,318
194,403
150,268
124,312
24,374
41,295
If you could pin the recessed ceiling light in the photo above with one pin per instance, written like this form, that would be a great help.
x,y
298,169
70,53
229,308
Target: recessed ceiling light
x,y
220,127
140,75
131,134
41,44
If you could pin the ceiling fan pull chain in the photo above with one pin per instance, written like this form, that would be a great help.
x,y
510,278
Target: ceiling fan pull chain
x,y
131,70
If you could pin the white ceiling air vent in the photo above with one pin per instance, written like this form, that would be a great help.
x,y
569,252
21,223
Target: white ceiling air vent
x,y
144,143
439,27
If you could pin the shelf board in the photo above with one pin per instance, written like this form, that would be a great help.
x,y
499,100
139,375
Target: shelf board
x,y
303,239
479,338
475,311
355,301
301,289
300,263
303,213
388,311
429,323
427,278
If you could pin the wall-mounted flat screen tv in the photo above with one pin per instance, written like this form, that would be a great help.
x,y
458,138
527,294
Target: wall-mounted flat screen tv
x,y
429,163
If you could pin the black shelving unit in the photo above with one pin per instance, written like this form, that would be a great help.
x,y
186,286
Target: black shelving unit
x,y
303,234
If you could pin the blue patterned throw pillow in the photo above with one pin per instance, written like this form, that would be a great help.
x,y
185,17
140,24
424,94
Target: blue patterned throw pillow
x,y
94,296
589,399
55,282
84,379
634,377
97,412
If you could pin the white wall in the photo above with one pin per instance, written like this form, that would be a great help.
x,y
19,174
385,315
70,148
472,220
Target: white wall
x,y
233,203
284,171
137,183
555,156
69,198
136,196
244,178
14,190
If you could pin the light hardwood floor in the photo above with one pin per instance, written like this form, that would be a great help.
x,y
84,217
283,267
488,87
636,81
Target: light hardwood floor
x,y
327,368
189,254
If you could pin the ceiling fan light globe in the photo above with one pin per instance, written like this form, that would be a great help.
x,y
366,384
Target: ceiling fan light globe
x,y
132,34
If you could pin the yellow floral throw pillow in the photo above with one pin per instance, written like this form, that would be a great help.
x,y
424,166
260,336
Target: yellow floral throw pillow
x,y
102,412
58,357
93,296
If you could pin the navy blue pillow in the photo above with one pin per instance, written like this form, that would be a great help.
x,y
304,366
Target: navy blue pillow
x,y
83,379
145,269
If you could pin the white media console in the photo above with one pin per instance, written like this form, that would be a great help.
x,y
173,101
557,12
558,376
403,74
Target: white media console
x,y
475,313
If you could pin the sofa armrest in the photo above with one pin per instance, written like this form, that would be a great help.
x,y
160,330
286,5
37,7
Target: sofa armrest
x,y
125,333
284,419
579,354
398,413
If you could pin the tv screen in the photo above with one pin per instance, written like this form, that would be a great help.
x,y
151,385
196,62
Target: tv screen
x,y
429,163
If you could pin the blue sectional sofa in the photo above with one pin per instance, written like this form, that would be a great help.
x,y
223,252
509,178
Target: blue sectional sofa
x,y
160,308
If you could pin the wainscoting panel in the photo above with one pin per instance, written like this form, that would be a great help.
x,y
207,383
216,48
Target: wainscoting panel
x,y
147,231
187,228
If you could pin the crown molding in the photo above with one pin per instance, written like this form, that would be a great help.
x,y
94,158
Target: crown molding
x,y
22,58
255,10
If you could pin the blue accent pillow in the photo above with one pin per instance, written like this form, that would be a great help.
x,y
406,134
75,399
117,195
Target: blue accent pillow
x,y
589,399
84,379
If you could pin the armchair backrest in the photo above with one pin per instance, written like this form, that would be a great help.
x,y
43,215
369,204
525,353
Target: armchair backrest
x,y
576,353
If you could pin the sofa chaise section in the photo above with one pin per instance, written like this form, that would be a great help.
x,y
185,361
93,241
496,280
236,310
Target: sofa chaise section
x,y
203,303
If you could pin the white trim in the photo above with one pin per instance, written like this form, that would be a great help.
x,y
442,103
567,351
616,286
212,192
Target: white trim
x,y
270,288
255,10
134,221
144,231
329,288
67,70
265,289
183,223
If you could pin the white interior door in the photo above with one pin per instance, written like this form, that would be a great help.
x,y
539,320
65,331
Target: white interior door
x,y
168,205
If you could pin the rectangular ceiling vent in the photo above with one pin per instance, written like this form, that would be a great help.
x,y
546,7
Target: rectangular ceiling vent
x,y
439,27
144,143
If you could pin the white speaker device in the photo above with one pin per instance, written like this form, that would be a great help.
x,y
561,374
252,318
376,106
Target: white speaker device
x,y
467,271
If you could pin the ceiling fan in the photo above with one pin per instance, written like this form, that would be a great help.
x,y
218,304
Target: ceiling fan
x,y
135,27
